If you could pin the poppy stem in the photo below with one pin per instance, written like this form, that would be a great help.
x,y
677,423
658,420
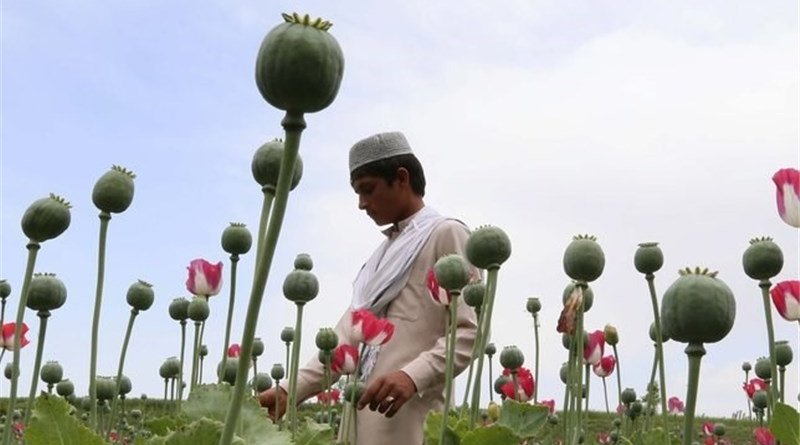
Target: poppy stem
x,y
234,261
605,393
765,285
450,347
180,371
695,352
37,364
118,382
536,360
98,301
298,326
195,355
491,289
473,356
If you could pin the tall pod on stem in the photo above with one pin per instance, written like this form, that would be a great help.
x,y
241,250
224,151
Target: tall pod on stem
x,y
43,220
697,308
299,69
487,248
584,262
179,311
236,240
533,306
473,295
5,291
112,193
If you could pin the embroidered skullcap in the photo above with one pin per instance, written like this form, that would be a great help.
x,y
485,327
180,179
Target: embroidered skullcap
x,y
378,146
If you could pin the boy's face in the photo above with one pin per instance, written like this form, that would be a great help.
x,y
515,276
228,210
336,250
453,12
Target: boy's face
x,y
383,202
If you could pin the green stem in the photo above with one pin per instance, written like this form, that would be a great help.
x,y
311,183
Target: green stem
x,y
134,313
37,364
293,124
659,351
234,261
619,379
605,393
782,371
293,374
695,351
166,388
266,206
536,362
451,349
491,380
577,425
180,372
195,355
200,366
199,344
288,344
586,406
255,375
473,356
33,248
765,285
491,288
98,301
326,377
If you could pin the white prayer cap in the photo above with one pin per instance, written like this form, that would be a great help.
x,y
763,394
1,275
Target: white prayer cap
x,y
378,146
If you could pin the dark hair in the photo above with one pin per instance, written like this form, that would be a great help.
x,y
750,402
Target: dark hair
x,y
387,169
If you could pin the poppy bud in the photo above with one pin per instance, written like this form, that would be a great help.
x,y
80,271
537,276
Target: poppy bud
x,y
783,353
65,388
140,295
198,309
277,372
617,422
763,259
258,347
5,289
179,309
493,410
113,192
8,371
511,357
584,259
203,350
300,286
46,218
452,272
327,339
533,305
611,335
236,239
46,292
648,258
473,294
488,247
51,372
136,414
287,334
552,419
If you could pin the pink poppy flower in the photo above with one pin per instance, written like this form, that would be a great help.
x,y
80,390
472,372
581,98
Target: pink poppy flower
x,y
675,405
205,279
708,429
786,297
605,366
7,342
438,294
603,438
369,329
234,350
764,436
550,404
753,386
345,359
593,351
525,385
787,182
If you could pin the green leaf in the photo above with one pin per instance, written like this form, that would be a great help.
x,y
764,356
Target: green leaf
x,y
161,426
522,419
495,435
656,436
200,432
51,424
313,433
450,437
785,424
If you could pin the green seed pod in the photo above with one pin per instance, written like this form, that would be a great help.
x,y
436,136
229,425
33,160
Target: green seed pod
x,y
266,165
588,295
746,366
533,305
125,385
198,309
488,247
473,294
5,289
262,382
327,339
719,429
229,374
763,368
566,340
760,399
353,391
8,371
499,382
164,370
617,422
698,308
46,218
174,366
203,350
562,373
300,286
783,353
324,356
105,387
652,332
648,258
452,272
51,372
140,295
763,259
65,388
113,192
277,372
179,309
636,409
287,334
611,335
46,292
584,259
236,239
258,347
135,414
552,419
303,261
490,349
628,396
299,65
511,357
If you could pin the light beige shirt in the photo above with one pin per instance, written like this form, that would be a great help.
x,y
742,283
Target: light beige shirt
x,y
417,347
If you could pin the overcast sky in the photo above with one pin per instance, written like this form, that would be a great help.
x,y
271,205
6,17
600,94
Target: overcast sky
x,y
632,121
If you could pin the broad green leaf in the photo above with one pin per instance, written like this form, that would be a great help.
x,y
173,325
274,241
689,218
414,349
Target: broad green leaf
x,y
313,433
51,424
200,432
656,436
785,424
523,419
163,425
432,429
494,435
450,437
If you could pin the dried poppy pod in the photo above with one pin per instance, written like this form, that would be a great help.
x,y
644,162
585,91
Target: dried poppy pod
x,y
46,292
236,239
113,192
648,258
488,247
266,165
299,65
698,308
179,309
140,295
511,357
5,289
46,218
452,272
473,294
584,259
51,372
763,259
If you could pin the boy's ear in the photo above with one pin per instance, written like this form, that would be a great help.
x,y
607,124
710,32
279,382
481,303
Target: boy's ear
x,y
402,175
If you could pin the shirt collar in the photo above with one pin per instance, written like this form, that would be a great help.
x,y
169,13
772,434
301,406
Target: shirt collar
x,y
395,229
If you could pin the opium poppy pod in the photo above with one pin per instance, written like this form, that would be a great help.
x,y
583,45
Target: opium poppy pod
x,y
113,192
648,258
452,272
179,309
51,372
763,259
46,218
533,305
140,295
287,334
652,332
258,347
299,66
488,247
236,239
106,386
303,261
588,295
46,292
300,286
783,353
266,165
65,388
763,368
262,382
5,289
584,260
198,309
125,385
277,372
326,339
473,294
611,334
698,308
511,357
